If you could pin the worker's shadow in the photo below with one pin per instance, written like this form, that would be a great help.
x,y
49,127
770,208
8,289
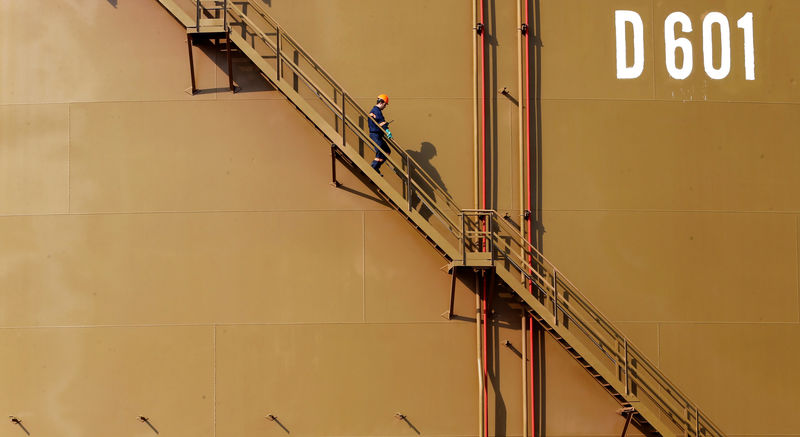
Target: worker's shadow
x,y
423,158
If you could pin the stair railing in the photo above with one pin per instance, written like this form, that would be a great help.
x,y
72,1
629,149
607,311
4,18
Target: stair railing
x,y
296,66
566,306
481,234
217,6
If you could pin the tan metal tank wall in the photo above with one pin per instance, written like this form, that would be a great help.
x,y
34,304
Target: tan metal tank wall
x,y
183,258
159,261
672,204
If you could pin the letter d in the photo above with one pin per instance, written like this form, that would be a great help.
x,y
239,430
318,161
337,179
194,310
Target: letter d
x,y
623,71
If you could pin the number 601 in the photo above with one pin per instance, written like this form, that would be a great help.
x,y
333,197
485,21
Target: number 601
x,y
672,45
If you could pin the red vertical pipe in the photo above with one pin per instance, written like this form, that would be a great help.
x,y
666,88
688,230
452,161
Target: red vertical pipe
x,y
485,356
533,392
528,197
483,110
528,117
483,206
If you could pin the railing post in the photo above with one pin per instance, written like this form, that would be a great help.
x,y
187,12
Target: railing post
x,y
463,239
627,391
189,40
334,182
230,60
344,121
295,77
224,15
408,181
555,297
197,23
490,236
278,51
696,422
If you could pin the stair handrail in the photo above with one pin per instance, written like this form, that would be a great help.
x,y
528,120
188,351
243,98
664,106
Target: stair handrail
x,y
551,292
199,8
531,265
338,87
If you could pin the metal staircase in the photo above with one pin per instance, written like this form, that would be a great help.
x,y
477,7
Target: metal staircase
x,y
471,238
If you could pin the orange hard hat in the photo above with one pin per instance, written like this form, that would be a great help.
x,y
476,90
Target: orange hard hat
x,y
384,97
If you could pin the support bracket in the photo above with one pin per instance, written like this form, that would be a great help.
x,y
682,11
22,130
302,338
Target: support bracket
x,y
191,38
449,313
334,153
627,413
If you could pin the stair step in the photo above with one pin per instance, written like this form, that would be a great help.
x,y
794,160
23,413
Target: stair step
x,y
393,197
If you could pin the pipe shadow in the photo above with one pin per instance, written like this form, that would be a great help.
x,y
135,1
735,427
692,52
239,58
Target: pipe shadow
x,y
538,357
498,313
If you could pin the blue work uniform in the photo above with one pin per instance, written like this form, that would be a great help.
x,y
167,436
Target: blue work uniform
x,y
376,134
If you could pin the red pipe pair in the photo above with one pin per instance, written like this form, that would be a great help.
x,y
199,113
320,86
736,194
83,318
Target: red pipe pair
x,y
528,200
485,299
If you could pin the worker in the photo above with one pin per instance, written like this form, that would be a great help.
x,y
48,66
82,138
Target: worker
x,y
376,134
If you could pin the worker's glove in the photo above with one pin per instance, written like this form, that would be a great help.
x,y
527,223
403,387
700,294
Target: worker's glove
x,y
388,134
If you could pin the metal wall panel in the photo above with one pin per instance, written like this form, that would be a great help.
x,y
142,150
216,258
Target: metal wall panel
x,y
680,267
176,156
34,169
240,226
102,51
98,381
748,373
346,379
608,155
141,269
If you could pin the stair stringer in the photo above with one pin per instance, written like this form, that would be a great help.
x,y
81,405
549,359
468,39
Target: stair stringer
x,y
334,137
604,376
649,421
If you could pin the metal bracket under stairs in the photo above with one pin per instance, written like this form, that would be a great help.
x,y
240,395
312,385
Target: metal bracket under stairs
x,y
627,413
192,38
211,22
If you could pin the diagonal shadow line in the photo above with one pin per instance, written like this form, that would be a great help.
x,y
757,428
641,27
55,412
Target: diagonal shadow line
x,y
366,196
411,425
514,349
151,426
23,428
508,95
281,425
